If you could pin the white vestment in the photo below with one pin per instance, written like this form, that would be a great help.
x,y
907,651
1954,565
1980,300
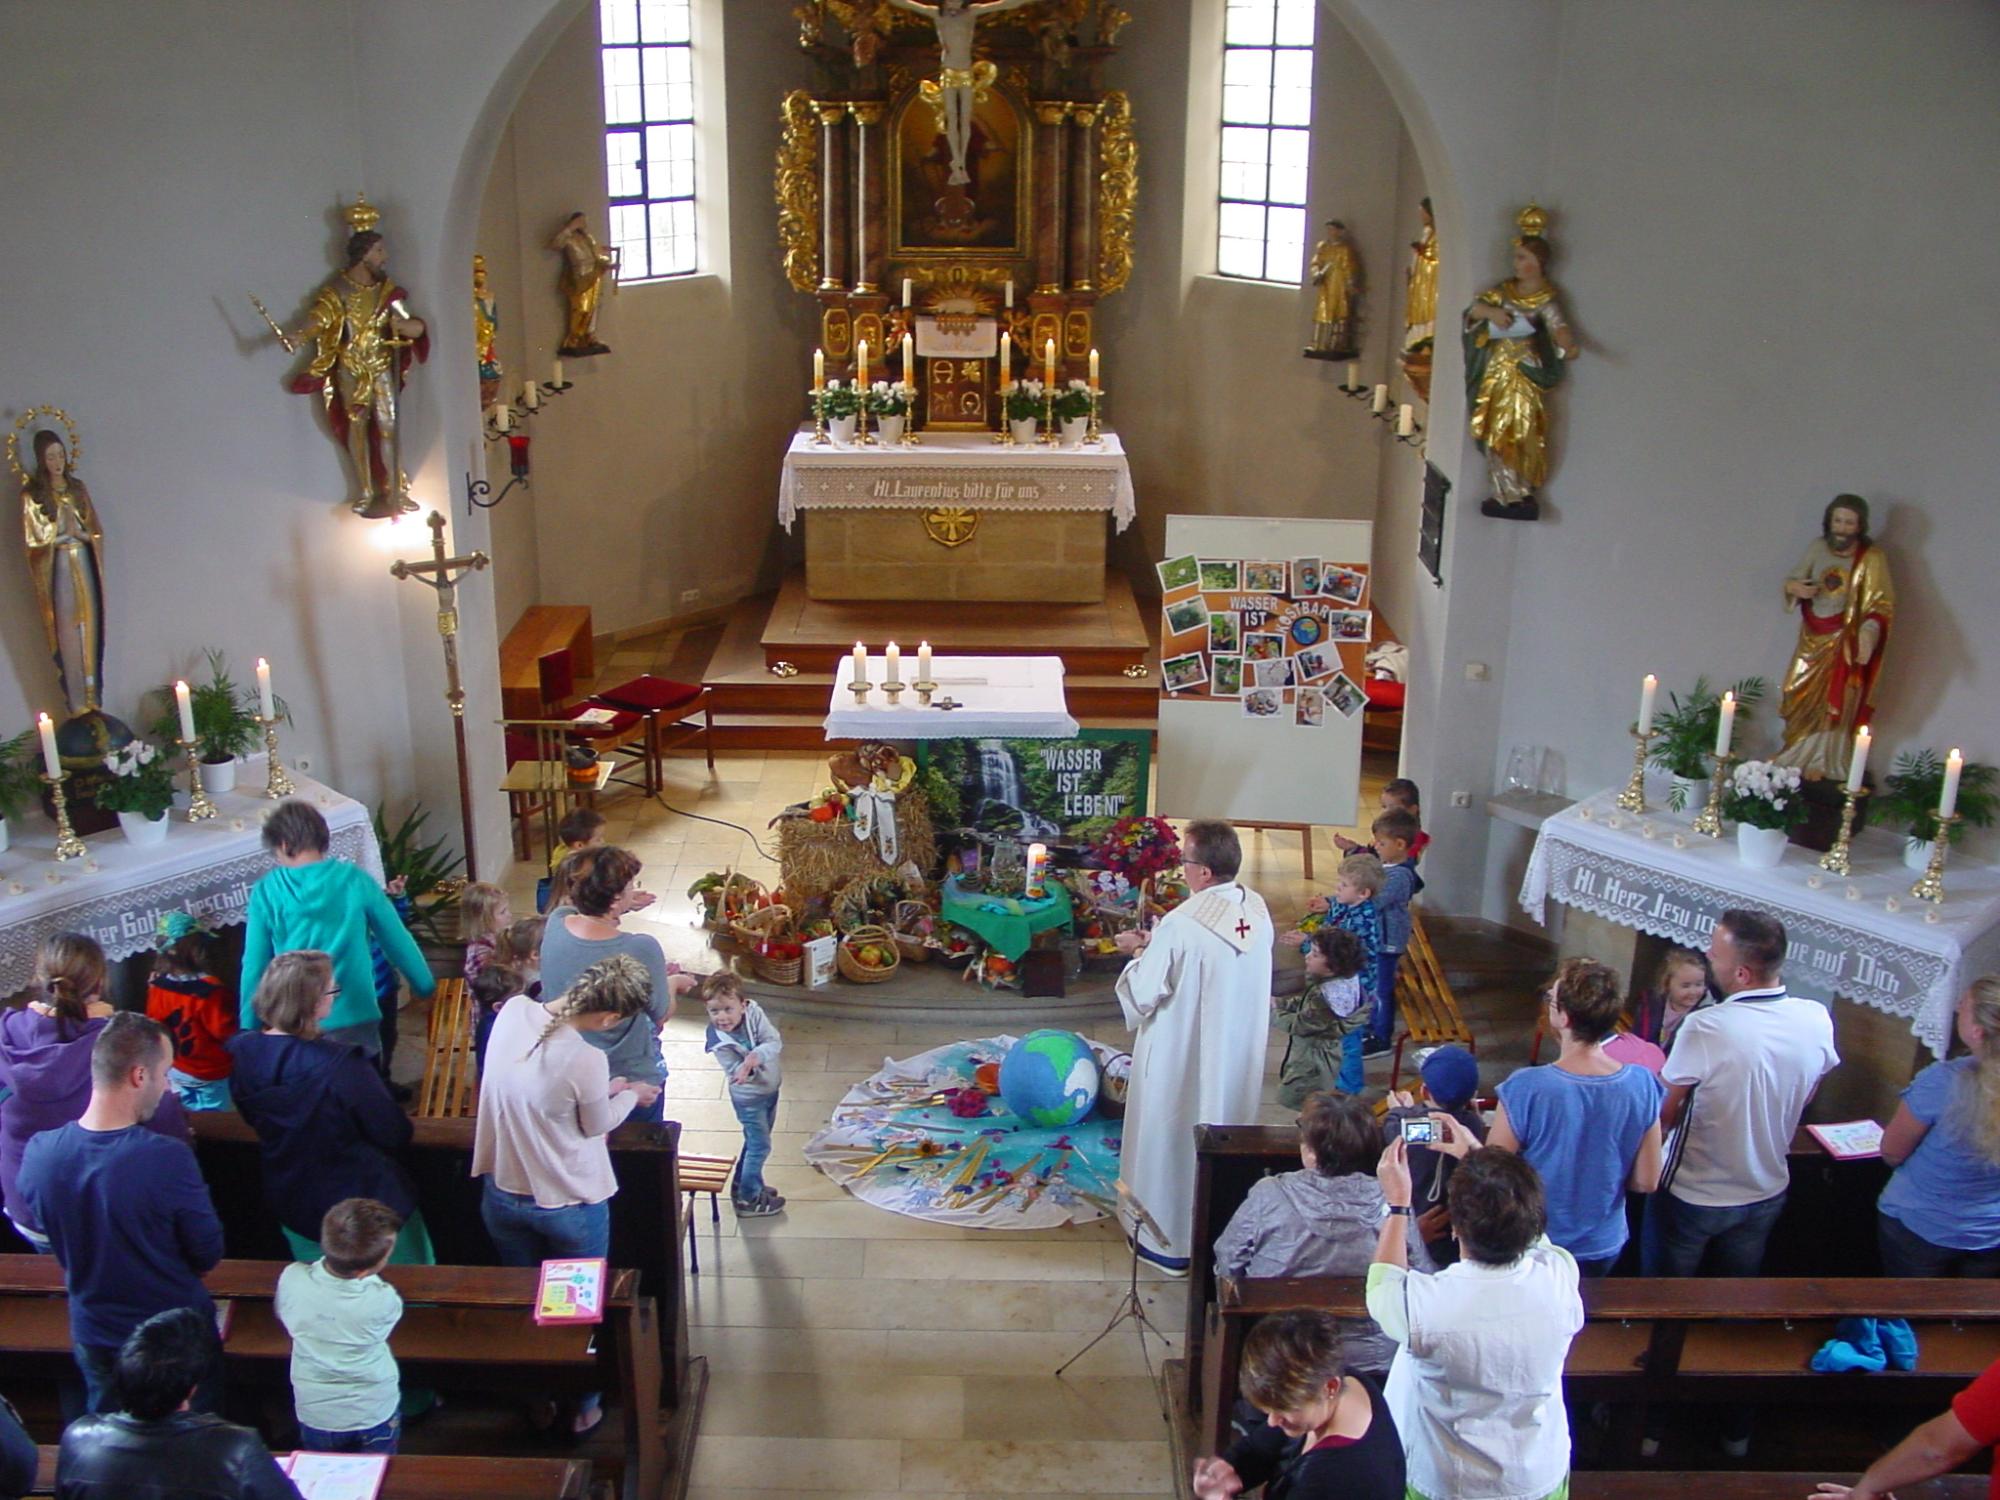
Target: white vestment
x,y
1200,999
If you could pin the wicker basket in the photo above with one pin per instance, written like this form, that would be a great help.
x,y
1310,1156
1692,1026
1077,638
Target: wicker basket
x,y
913,945
768,924
737,896
852,968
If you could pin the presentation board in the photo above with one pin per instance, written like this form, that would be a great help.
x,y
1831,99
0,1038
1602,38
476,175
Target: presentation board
x,y
1244,739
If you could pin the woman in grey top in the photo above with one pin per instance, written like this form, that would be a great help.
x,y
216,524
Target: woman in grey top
x,y
603,888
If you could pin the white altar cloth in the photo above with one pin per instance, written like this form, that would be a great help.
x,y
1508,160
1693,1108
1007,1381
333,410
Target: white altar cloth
x,y
117,892
1003,697
964,469
1861,936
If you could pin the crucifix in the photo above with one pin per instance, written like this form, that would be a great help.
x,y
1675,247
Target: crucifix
x,y
442,574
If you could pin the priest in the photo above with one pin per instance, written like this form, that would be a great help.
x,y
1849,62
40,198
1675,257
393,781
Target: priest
x,y
1198,992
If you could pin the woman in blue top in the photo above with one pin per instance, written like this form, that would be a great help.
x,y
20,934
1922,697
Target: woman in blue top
x,y
1940,1213
1587,1122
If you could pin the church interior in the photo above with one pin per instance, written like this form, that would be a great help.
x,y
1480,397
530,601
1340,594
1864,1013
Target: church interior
x,y
773,438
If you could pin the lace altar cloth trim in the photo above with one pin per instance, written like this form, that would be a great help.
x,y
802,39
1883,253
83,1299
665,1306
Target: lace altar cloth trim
x,y
1860,936
962,469
207,868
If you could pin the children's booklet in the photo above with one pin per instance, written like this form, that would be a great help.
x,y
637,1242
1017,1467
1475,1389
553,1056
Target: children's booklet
x,y
337,1476
572,1291
225,1314
1850,1140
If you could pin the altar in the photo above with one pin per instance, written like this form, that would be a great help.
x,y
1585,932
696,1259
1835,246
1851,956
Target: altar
x,y
977,697
956,517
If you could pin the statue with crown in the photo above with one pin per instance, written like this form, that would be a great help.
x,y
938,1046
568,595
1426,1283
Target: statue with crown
x,y
1517,346
361,338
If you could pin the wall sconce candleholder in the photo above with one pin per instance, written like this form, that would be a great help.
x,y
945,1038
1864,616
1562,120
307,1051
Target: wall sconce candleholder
x,y
476,490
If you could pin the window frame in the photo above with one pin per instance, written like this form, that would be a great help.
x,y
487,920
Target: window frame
x,y
1235,134
678,204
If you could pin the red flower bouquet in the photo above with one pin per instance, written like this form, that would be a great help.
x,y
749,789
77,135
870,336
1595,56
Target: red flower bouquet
x,y
1139,846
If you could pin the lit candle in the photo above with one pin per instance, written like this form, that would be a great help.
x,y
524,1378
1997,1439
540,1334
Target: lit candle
x,y
819,370
1006,359
860,664
1649,687
1354,377
1038,864
1406,420
51,759
906,291
186,707
1010,296
892,670
1093,369
909,358
1954,767
502,417
1859,763
923,661
266,704
1049,361
1725,731
556,379
861,378
531,394
1380,401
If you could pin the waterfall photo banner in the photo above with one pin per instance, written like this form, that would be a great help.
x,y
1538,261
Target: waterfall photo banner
x,y
1057,791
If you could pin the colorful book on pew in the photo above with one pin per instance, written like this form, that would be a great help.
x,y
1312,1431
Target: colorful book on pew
x,y
1850,1140
572,1291
225,1314
337,1476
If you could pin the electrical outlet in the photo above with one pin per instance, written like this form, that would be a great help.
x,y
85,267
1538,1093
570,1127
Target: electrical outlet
x,y
1476,671
690,598
1461,799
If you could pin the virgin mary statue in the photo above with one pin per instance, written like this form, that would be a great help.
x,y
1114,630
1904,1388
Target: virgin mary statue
x,y
1517,343
63,539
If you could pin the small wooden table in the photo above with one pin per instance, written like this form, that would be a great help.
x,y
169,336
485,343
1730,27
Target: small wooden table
x,y
541,629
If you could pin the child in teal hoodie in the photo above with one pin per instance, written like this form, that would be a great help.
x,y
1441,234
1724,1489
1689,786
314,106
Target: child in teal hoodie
x,y
311,901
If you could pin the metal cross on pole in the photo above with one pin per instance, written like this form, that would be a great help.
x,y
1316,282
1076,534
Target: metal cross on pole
x,y
442,574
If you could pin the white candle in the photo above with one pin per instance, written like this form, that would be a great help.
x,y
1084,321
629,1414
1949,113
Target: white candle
x,y
1859,763
861,376
1093,369
1038,864
502,417
819,369
1649,687
860,664
1380,401
909,358
923,661
892,671
1010,296
1006,359
906,291
1354,377
1954,767
556,378
266,705
1406,420
51,759
1725,731
1049,361
186,708
531,394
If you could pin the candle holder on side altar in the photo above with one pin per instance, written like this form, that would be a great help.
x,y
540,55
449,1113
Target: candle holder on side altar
x,y
860,689
200,809
892,691
1834,861
277,781
863,438
1931,887
909,439
68,845
1709,820
1048,433
923,691
1633,798
1093,435
820,439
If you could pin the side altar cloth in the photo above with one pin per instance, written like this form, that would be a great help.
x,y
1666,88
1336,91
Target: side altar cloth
x,y
956,517
998,697
1650,871
118,891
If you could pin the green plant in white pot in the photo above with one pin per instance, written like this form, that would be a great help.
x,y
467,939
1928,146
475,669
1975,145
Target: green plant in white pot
x,y
226,726
140,791
19,780
1909,801
1767,801
1685,735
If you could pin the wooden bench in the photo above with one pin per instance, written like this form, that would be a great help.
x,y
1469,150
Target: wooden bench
x,y
450,1088
710,1175
542,629
1426,1011
1658,1484
433,1476
469,1327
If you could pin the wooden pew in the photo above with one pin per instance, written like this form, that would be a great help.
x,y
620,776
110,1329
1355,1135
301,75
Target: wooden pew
x,y
430,1476
1657,1484
450,1088
462,1326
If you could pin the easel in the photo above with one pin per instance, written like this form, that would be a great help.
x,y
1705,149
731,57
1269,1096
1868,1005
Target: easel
x,y
1303,830
1131,1211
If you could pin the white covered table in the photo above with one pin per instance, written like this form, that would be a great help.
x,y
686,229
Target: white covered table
x,y
1002,697
117,892
1861,936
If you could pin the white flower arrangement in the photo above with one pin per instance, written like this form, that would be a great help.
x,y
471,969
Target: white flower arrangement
x,y
1766,795
1024,399
142,781
890,398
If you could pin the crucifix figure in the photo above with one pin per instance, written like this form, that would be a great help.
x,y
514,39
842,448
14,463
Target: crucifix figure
x,y
959,83
442,574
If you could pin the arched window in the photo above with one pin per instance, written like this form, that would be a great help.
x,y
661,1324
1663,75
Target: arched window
x,y
1267,66
649,141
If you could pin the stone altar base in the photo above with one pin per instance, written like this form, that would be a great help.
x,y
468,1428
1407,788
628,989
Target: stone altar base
x,y
1012,556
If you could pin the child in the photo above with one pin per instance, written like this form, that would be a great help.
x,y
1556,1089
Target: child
x,y
582,828
491,988
1395,832
520,947
1402,792
340,1313
1451,1080
1680,988
746,1044
1352,909
195,1007
483,914
389,988
1320,1019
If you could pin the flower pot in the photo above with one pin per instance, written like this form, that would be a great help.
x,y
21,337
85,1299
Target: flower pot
x,y
1073,429
1690,794
1916,854
892,427
144,832
218,776
1024,429
1761,848
842,430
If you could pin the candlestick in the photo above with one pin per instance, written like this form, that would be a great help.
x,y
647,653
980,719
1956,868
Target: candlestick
x,y
68,845
1835,861
1633,798
1725,730
51,757
893,691
1093,369
1709,820
1379,402
923,662
266,704
1048,409
1857,765
200,809
555,378
819,370
1649,687
860,660
1954,767
1093,435
892,670
277,783
1931,887
186,708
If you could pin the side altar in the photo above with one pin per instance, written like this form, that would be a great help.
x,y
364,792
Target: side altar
x,y
956,518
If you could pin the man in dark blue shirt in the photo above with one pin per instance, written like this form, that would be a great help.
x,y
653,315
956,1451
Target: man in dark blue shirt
x,y
125,1210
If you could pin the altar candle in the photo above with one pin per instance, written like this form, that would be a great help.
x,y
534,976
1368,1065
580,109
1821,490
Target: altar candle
x,y
1954,767
1093,369
1010,296
1354,377
819,370
909,358
860,664
51,759
266,705
892,671
861,379
531,394
906,291
1006,358
1649,686
556,379
1859,762
502,417
1049,361
923,661
1380,401
186,708
1725,731
1406,420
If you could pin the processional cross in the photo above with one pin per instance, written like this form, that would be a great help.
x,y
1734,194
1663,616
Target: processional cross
x,y
442,574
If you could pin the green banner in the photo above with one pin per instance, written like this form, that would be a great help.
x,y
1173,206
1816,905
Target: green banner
x,y
1066,791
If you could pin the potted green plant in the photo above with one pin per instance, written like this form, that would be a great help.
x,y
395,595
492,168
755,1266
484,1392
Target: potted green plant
x,y
889,403
1072,408
840,405
1909,801
1685,736
1767,802
1024,407
18,780
226,725
429,897
140,791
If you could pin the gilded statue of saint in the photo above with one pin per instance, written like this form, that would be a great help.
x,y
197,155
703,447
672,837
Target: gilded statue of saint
x,y
960,81
1420,307
1336,279
587,265
1846,603
485,335
64,544
1517,343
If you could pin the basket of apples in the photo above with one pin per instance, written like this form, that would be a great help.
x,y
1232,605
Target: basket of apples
x,y
868,955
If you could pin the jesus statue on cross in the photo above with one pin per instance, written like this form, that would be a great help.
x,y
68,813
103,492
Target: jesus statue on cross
x,y
959,82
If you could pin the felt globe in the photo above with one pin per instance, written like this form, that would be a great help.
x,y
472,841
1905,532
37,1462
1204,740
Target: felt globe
x,y
1049,1078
